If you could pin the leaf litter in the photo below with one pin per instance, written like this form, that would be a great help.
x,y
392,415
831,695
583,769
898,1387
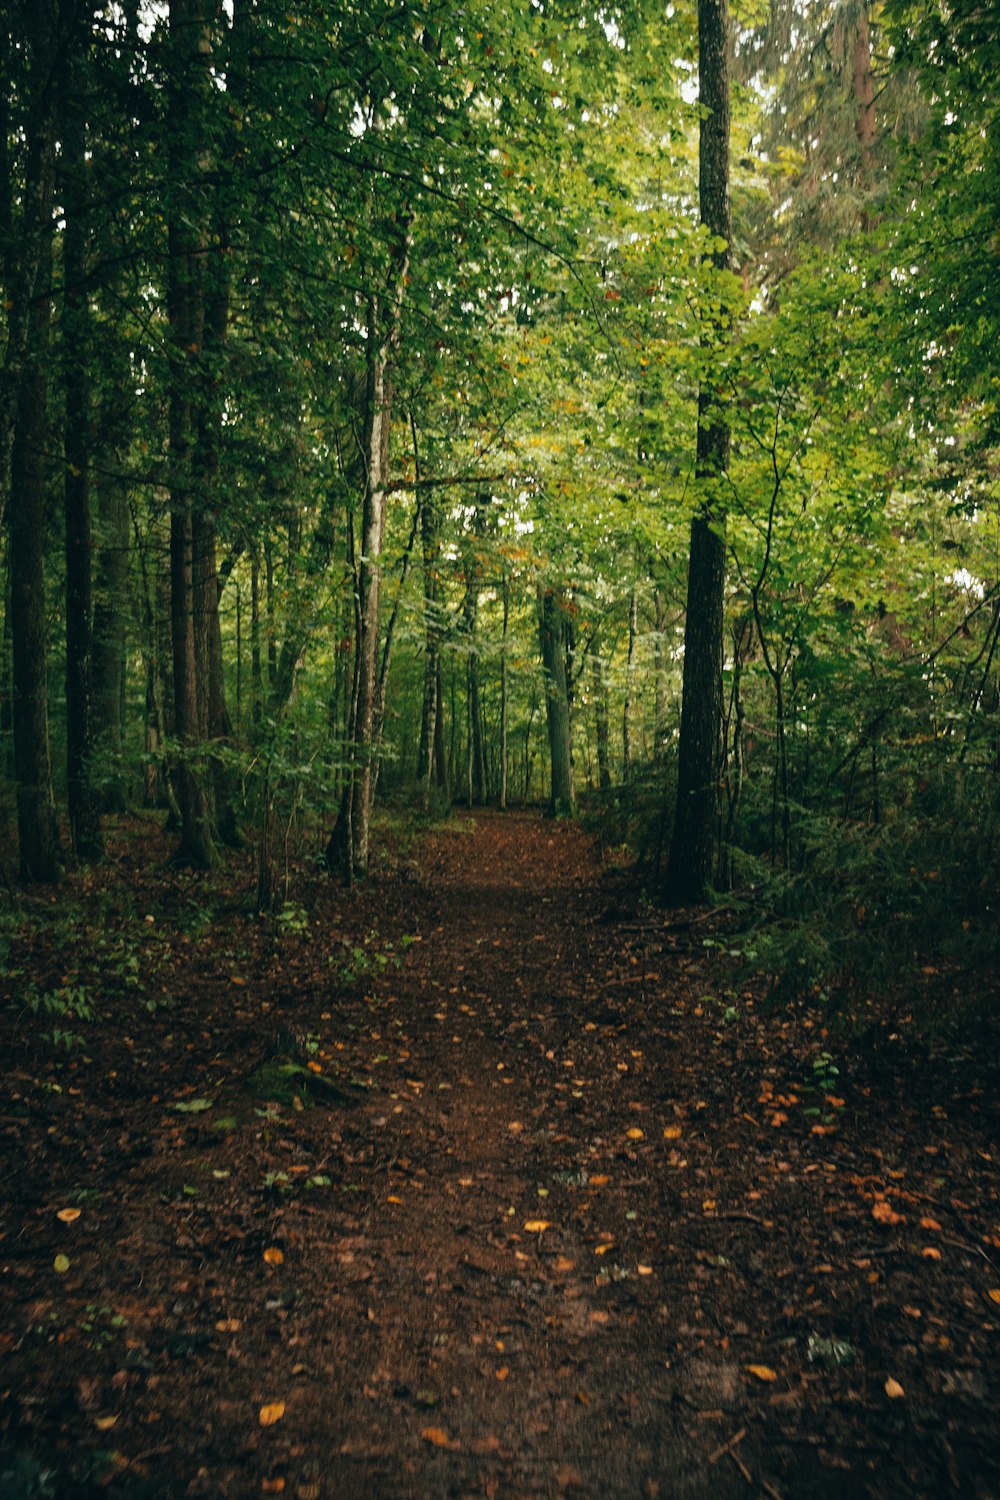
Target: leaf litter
x,y
717,1281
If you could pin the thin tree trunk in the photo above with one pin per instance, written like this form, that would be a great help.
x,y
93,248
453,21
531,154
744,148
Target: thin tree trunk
x,y
602,720
633,631
503,692
553,625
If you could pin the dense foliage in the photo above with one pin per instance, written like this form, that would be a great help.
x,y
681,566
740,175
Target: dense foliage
x,y
353,362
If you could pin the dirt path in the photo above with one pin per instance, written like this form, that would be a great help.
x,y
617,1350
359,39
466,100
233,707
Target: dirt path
x,y
578,1236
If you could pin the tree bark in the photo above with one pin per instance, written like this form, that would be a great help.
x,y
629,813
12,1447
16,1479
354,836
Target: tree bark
x,y
84,811
554,635
690,866
186,313
23,434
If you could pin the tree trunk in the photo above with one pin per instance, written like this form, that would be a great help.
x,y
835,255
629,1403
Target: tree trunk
x,y
186,314
633,631
554,634
84,814
110,606
383,327
602,720
690,868
503,693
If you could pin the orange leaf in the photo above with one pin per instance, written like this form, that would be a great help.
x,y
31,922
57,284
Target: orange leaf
x,y
599,1181
930,1252
536,1226
884,1213
893,1389
437,1436
763,1372
271,1413
778,1118
68,1215
928,1223
994,1294
635,1134
563,1263
274,1486
644,1270
503,1372
672,1133
274,1256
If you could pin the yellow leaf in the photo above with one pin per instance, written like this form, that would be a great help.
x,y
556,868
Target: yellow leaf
x,y
672,1133
271,1413
645,1270
437,1436
994,1294
274,1256
61,1264
708,1206
227,1325
635,1134
68,1215
394,1198
563,1263
603,1249
103,1423
762,1372
536,1226
893,1389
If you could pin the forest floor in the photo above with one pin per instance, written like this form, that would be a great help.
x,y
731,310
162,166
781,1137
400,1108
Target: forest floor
x,y
472,1182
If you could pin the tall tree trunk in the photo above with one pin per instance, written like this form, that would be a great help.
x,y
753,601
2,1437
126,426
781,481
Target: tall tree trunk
x,y
602,719
348,846
660,675
23,432
186,311
110,607
554,637
690,868
503,692
633,631
84,814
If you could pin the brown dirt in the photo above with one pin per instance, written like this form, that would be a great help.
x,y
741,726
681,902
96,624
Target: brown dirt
x,y
549,1052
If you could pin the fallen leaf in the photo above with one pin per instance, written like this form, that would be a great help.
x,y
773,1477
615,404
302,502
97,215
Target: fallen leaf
x,y
536,1226
563,1263
931,1224
603,1249
884,1213
227,1325
994,1294
273,1486
503,1372
271,1413
394,1198
672,1133
68,1215
104,1423
274,1256
645,1270
763,1372
635,1134
912,1312
61,1264
599,1181
893,1389
436,1436
778,1119
309,1491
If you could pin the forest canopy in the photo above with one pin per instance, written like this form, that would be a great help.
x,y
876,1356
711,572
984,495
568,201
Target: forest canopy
x,y
512,403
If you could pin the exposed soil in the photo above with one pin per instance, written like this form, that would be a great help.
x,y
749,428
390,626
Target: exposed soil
x,y
564,1218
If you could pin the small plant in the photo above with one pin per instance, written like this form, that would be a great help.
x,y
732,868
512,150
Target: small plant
x,y
292,919
70,1002
101,1323
821,1085
364,959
